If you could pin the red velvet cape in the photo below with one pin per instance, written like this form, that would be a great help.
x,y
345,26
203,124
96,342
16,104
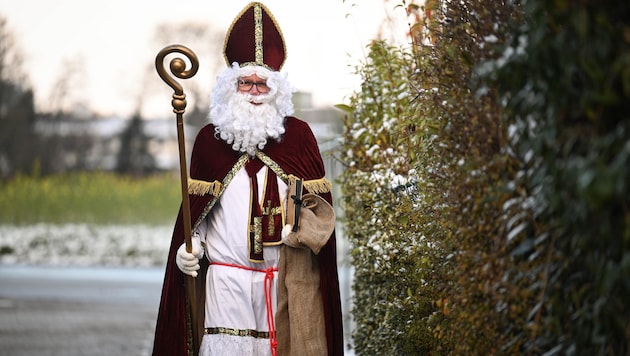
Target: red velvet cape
x,y
297,153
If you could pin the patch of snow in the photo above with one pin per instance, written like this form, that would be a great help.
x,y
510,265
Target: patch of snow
x,y
85,245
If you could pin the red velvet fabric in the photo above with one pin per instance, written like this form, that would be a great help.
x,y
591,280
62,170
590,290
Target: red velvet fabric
x,y
297,153
240,43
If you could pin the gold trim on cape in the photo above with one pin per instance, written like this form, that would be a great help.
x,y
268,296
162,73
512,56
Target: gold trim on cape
x,y
226,181
318,186
202,187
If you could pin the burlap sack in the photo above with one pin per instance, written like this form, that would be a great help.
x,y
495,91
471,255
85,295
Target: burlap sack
x,y
316,224
300,325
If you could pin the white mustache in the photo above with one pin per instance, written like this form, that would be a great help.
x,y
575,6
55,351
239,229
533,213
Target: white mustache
x,y
257,99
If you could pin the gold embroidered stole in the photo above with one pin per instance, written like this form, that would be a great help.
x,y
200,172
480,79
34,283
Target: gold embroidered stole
x,y
265,221
268,211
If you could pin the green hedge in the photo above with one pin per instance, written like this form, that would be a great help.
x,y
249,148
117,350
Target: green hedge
x,y
486,188
567,91
380,190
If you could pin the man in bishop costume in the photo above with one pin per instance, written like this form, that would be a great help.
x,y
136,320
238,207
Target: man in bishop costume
x,y
262,289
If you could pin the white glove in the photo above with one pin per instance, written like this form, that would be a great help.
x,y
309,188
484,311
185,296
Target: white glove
x,y
286,230
188,262
289,238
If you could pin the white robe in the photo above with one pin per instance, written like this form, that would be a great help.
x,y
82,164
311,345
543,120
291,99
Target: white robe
x,y
235,297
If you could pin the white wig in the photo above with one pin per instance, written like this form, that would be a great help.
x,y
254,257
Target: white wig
x,y
241,124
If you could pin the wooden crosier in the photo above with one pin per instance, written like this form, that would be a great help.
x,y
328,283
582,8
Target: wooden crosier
x,y
178,69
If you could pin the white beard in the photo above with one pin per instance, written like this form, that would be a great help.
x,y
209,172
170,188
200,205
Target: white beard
x,y
245,126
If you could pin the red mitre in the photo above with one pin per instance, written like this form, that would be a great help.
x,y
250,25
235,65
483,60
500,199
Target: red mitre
x,y
254,38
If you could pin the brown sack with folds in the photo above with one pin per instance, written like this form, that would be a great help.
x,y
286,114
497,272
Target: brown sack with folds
x,y
300,327
317,222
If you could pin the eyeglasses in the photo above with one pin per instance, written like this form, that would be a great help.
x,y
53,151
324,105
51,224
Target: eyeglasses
x,y
246,85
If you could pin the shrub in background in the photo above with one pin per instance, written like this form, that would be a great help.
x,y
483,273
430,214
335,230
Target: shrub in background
x,y
566,86
380,192
487,182
433,274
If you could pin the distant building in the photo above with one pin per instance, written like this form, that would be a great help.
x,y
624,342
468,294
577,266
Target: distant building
x,y
103,135
104,140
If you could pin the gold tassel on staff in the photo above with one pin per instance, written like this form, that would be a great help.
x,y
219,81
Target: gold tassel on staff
x,y
178,69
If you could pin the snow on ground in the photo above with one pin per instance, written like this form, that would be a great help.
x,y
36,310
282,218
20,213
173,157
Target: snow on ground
x,y
85,245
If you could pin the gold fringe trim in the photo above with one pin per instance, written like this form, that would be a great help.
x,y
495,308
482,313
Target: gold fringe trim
x,y
317,186
201,187
226,181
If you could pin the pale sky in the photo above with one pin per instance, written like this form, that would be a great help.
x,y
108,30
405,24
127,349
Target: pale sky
x,y
108,46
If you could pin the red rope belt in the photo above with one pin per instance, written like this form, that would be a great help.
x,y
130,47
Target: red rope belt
x,y
273,342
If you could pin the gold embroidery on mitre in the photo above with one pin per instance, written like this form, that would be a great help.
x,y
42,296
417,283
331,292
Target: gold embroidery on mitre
x,y
259,60
258,34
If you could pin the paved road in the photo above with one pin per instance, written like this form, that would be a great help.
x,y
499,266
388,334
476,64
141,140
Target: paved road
x,y
70,311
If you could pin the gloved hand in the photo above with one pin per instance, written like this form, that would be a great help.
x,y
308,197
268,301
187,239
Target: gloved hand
x,y
188,262
317,222
289,238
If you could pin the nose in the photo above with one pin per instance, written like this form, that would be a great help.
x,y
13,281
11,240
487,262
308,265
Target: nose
x,y
254,87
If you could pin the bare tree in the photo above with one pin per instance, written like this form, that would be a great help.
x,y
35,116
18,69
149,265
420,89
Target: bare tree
x,y
64,95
